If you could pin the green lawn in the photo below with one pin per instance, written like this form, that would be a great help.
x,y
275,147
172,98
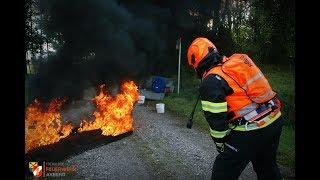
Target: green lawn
x,y
286,151
281,79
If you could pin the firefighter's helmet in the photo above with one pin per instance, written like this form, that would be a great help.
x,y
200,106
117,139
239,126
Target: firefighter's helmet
x,y
199,49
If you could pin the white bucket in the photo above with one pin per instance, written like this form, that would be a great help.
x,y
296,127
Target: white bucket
x,y
160,108
141,99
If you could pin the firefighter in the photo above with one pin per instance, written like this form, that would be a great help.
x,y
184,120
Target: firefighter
x,y
242,110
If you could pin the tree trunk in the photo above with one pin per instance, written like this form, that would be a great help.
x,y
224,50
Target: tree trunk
x,y
217,15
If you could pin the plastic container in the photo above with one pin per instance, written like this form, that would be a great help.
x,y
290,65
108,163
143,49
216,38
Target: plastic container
x,y
158,84
160,107
141,99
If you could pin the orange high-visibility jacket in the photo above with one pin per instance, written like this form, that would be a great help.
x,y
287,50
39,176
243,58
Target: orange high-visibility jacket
x,y
247,81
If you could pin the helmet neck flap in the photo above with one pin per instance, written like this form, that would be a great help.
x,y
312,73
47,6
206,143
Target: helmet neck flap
x,y
213,58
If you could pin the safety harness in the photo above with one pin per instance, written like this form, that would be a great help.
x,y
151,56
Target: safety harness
x,y
260,117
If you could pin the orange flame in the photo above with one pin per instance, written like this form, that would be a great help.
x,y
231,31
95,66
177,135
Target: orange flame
x,y
43,124
114,114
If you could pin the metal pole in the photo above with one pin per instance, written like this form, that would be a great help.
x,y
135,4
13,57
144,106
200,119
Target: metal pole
x,y
179,66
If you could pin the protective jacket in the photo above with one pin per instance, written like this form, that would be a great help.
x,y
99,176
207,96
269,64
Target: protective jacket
x,y
236,89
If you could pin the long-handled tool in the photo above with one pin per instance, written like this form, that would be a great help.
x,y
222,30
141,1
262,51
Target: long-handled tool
x,y
190,123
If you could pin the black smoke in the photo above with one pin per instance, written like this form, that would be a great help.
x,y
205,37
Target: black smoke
x,y
108,41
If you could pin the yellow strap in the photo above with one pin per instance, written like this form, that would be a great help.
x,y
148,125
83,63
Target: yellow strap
x,y
214,107
219,134
254,126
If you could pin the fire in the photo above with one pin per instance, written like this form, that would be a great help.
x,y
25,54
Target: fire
x,y
114,114
43,124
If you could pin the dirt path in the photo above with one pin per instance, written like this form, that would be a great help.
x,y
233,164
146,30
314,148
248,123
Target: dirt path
x,y
161,147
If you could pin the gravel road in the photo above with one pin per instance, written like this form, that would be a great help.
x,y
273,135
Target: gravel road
x,y
161,147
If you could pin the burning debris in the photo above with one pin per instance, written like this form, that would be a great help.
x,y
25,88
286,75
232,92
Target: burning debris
x,y
114,114
43,122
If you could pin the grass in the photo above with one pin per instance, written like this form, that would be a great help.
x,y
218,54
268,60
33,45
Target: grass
x,y
286,150
280,78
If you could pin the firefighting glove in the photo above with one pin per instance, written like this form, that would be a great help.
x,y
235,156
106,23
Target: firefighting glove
x,y
219,138
219,142
220,146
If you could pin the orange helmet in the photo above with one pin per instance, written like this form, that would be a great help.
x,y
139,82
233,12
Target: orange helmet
x,y
198,50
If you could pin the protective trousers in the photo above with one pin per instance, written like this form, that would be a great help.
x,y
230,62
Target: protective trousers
x,y
258,146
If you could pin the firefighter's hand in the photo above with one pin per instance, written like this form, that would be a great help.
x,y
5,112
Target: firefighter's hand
x,y
220,146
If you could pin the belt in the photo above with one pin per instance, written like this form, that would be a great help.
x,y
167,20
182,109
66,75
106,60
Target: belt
x,y
256,124
257,117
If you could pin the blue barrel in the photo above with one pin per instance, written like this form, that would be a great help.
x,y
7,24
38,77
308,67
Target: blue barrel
x,y
158,84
